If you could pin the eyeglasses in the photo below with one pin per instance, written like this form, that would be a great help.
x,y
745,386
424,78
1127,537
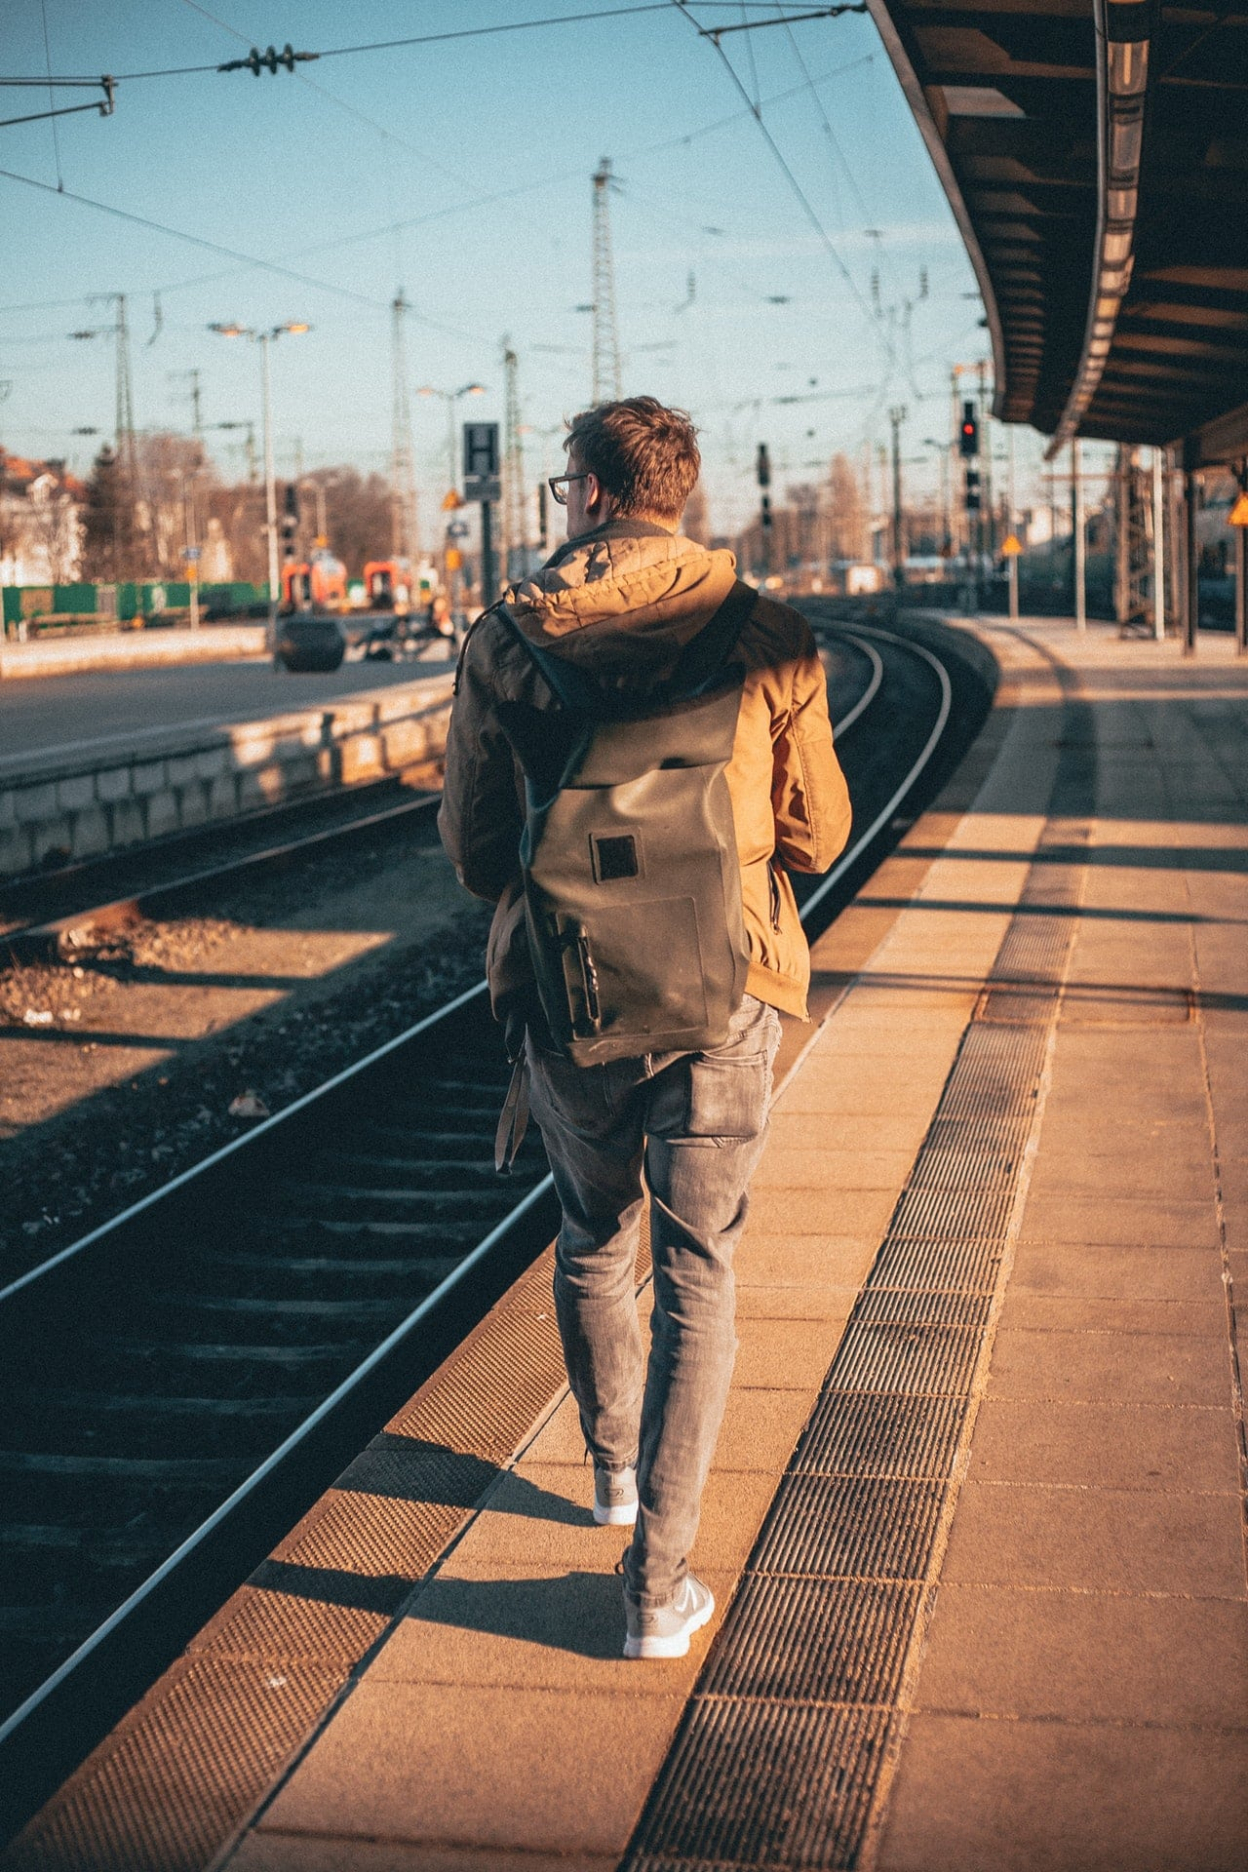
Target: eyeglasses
x,y
558,485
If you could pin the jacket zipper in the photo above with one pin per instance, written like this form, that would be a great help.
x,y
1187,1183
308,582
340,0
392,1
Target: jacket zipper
x,y
774,883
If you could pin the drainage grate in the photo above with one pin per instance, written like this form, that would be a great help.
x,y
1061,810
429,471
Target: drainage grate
x,y
757,1783
852,1434
856,1527
816,1641
778,1760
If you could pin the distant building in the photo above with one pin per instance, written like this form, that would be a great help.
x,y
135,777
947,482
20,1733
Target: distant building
x,y
40,522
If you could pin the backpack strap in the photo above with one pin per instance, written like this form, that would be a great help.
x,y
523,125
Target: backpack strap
x,y
698,664
704,656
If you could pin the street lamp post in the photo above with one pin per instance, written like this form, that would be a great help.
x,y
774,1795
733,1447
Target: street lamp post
x,y
264,339
451,398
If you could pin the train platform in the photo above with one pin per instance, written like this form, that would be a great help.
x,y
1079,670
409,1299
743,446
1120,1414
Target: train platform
x,y
976,1522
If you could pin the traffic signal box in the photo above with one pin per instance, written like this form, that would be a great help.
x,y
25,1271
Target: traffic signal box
x,y
968,447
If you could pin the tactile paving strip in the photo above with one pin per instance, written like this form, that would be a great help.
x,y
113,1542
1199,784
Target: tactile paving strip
x,y
778,1760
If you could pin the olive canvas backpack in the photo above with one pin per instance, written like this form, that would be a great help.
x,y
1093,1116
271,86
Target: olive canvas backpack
x,y
631,876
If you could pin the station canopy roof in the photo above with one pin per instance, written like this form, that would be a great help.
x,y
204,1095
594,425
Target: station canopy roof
x,y
1095,155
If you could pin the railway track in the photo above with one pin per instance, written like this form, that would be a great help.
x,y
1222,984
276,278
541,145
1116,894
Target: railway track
x,y
53,931
179,1385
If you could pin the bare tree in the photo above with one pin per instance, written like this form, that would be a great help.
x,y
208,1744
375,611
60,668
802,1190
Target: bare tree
x,y
696,524
53,533
848,516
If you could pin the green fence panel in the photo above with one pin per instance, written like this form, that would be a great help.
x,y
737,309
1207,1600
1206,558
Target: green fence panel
x,y
75,599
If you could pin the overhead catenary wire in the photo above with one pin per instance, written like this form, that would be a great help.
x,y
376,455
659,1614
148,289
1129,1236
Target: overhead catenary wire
x,y
200,240
682,7
416,39
423,39
392,138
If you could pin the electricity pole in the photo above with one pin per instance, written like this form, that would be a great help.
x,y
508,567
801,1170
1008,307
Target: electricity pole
x,y
514,540
764,512
897,416
264,339
606,338
404,521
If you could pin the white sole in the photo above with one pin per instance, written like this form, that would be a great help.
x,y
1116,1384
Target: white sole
x,y
677,1646
616,1517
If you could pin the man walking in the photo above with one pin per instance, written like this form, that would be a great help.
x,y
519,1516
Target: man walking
x,y
620,603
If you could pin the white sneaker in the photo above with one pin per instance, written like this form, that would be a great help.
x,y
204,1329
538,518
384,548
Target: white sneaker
x,y
664,1631
615,1497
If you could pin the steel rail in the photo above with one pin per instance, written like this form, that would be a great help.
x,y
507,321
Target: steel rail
x,y
237,1144
872,689
119,911
849,858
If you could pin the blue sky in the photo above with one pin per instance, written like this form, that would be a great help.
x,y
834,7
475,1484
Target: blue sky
x,y
462,171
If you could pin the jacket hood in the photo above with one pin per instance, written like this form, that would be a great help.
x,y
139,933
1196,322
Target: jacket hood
x,y
623,600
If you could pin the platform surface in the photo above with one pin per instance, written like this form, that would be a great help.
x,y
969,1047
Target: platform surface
x,y
1067,1685
113,712
975,1526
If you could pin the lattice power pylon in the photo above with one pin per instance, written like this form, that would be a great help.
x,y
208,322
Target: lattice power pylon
x,y
128,521
404,518
515,531
1133,556
606,374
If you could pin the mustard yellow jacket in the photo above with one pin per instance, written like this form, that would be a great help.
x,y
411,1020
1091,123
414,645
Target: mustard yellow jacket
x,y
623,602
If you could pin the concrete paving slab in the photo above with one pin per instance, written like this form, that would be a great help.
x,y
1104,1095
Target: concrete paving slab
x,y
1139,1172
1087,1656
1108,1540
1072,1130
787,1353
1120,1222
1110,1367
1066,1797
508,1534
832,1169
808,1301
459,1763
769,1259
1127,1314
821,1211
1106,1270
794,1130
1105,1446
838,1093
533,1629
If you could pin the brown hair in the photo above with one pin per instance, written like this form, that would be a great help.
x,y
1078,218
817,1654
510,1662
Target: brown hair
x,y
644,455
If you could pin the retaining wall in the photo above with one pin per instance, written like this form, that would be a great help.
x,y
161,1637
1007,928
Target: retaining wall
x,y
68,807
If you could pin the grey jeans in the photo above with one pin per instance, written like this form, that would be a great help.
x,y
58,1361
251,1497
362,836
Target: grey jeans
x,y
695,1123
